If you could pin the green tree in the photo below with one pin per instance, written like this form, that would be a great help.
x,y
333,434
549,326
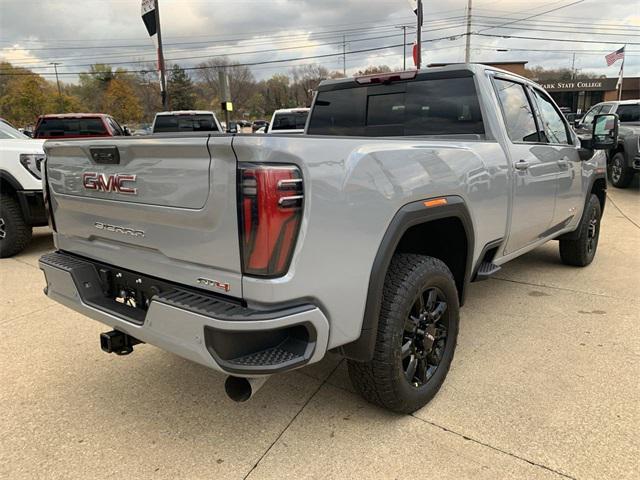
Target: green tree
x,y
25,98
121,101
182,93
93,85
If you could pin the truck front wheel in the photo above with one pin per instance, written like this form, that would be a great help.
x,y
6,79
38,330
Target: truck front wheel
x,y
620,175
581,250
15,234
416,337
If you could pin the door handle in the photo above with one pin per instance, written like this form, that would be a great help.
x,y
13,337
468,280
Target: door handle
x,y
522,165
563,162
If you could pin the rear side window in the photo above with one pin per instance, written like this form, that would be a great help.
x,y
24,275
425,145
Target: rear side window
x,y
64,127
424,107
290,121
184,123
518,114
629,113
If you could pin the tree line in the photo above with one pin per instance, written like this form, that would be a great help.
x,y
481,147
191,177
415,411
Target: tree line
x,y
134,97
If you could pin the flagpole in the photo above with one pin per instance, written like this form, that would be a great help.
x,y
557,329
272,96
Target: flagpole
x,y
161,66
624,57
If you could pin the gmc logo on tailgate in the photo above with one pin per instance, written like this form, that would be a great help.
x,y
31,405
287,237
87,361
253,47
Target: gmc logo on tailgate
x,y
109,183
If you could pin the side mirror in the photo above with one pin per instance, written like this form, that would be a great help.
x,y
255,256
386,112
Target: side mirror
x,y
576,123
605,132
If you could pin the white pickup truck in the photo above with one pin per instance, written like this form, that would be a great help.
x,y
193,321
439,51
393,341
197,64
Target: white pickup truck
x,y
21,203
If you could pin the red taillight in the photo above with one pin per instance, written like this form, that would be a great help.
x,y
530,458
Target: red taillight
x,y
270,200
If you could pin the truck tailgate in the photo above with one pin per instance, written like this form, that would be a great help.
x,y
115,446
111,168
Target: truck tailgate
x,y
151,205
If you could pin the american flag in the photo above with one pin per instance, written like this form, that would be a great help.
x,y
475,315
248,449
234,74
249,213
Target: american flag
x,y
613,57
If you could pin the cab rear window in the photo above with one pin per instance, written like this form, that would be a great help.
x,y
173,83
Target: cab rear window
x,y
629,113
423,107
67,127
184,123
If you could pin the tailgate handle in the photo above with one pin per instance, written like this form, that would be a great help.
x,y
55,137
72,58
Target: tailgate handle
x,y
105,155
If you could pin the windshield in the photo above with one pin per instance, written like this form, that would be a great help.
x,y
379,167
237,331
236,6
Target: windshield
x,y
7,131
290,121
70,127
629,113
185,123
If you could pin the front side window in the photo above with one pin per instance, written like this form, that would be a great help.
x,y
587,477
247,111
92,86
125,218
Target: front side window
x,y
518,114
554,129
7,131
117,130
587,120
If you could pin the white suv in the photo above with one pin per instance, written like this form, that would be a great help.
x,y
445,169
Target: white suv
x,y
21,199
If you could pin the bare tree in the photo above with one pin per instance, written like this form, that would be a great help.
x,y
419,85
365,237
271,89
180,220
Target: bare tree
x,y
241,82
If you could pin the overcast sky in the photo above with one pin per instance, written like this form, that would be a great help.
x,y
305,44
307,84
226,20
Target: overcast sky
x,y
76,33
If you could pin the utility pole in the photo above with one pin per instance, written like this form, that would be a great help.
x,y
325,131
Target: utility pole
x,y
161,67
573,67
55,67
467,51
344,55
404,46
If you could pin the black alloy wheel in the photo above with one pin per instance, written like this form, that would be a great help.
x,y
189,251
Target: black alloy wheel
x,y
425,336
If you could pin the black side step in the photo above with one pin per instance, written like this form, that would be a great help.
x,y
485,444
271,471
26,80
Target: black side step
x,y
485,270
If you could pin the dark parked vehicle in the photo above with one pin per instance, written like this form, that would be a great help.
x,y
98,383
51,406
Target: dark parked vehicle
x,y
258,124
78,125
623,161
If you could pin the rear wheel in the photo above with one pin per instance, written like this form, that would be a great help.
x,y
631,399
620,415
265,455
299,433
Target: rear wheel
x,y
581,251
620,175
15,234
416,339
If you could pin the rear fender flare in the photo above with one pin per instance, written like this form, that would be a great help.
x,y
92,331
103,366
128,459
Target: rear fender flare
x,y
410,215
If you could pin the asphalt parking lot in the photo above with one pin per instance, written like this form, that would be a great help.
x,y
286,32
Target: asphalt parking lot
x,y
545,384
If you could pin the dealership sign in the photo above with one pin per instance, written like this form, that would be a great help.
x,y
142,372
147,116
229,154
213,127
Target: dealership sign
x,y
603,84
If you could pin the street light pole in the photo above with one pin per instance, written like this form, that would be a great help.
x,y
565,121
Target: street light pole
x,y
55,67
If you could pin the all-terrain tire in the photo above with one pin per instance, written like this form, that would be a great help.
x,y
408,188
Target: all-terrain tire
x,y
383,381
581,251
15,234
620,175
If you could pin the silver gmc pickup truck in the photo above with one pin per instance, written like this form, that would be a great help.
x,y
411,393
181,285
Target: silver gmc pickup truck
x,y
258,254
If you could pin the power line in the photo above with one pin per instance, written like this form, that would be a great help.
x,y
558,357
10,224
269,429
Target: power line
x,y
535,15
94,47
207,67
554,39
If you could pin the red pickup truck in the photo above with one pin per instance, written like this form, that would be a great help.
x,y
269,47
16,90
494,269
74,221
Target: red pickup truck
x,y
78,125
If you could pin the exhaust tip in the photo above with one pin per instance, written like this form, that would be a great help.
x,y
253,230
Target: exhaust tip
x,y
238,389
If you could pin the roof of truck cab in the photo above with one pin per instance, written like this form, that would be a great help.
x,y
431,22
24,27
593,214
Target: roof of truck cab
x,y
449,69
75,115
187,112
